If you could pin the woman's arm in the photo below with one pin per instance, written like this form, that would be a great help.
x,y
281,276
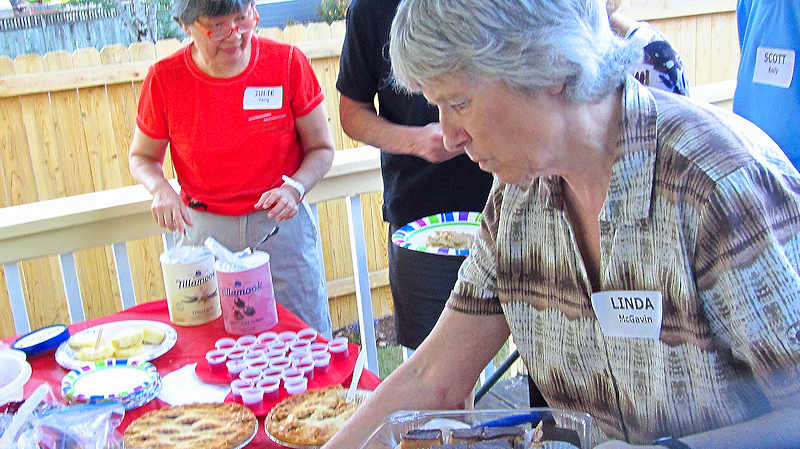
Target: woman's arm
x,y
440,374
318,148
145,160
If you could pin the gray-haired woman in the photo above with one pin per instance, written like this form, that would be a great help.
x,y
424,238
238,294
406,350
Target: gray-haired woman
x,y
642,249
247,135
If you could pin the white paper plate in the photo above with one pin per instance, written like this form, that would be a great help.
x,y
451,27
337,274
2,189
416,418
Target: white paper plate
x,y
414,235
65,355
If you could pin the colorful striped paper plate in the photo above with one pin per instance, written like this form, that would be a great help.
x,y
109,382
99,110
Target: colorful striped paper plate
x,y
130,382
414,235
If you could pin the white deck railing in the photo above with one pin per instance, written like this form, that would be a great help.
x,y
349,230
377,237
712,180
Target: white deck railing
x,y
62,226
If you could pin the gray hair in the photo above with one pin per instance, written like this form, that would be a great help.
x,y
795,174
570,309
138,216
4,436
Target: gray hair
x,y
187,11
528,44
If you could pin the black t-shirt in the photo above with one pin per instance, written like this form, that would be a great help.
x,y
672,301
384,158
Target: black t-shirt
x,y
412,187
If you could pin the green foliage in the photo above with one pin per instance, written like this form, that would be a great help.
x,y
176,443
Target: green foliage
x,y
332,10
166,27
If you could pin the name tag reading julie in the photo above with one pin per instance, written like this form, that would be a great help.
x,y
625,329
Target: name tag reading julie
x,y
269,97
629,313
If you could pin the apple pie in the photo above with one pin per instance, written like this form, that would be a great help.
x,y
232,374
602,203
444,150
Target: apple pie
x,y
310,418
196,426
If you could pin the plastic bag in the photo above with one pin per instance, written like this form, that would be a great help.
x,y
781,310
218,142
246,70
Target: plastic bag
x,y
52,425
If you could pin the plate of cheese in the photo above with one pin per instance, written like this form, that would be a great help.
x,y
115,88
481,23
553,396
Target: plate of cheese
x,y
140,340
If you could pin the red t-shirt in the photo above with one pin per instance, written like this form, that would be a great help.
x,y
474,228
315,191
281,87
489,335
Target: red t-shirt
x,y
230,139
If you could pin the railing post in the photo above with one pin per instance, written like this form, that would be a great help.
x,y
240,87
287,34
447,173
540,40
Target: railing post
x,y
72,287
361,275
16,298
124,278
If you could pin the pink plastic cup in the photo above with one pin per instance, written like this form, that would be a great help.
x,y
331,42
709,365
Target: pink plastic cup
x,y
296,387
307,334
322,362
270,388
216,359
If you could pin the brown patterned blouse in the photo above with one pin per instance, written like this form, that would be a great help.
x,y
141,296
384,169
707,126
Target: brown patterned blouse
x,y
703,208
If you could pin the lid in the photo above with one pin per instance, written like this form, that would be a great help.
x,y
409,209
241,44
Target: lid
x,y
42,340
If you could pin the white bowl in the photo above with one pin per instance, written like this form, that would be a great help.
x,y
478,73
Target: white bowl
x,y
14,374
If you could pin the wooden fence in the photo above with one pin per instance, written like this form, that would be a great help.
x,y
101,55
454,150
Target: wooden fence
x,y
66,121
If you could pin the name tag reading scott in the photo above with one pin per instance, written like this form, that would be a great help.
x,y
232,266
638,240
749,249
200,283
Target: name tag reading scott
x,y
629,313
774,66
269,97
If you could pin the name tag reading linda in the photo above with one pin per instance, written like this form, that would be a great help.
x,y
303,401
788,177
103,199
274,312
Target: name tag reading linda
x,y
629,313
774,66
269,97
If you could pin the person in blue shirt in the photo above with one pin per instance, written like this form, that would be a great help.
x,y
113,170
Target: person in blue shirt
x,y
767,86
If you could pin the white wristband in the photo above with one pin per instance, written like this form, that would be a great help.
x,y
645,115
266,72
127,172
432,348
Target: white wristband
x,y
295,185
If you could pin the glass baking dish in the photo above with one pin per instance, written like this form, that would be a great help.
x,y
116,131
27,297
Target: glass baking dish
x,y
563,430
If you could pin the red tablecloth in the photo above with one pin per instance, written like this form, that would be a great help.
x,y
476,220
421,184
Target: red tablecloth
x,y
192,344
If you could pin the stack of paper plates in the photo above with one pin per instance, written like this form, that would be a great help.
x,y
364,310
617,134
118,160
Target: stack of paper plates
x,y
129,382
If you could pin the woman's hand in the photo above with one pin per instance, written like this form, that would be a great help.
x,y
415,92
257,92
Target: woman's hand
x,y
168,209
280,203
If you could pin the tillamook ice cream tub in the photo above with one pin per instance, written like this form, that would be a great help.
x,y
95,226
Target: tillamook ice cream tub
x,y
191,284
248,301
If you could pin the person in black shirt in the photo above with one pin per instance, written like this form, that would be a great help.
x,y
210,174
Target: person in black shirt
x,y
420,177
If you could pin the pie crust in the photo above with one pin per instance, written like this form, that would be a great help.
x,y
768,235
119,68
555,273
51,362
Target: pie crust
x,y
310,418
197,426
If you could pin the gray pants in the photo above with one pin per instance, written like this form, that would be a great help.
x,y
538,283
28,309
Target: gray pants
x,y
298,273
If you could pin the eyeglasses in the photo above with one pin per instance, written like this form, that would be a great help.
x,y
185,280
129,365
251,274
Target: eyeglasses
x,y
222,31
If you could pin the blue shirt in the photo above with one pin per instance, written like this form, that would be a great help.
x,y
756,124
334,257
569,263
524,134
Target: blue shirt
x,y
774,27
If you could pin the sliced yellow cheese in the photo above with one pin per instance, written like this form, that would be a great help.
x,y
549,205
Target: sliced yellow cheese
x,y
83,340
89,354
152,335
130,351
127,337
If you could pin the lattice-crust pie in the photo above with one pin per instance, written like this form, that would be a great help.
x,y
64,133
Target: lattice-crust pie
x,y
310,418
197,426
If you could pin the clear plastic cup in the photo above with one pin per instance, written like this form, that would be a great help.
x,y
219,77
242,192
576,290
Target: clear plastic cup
x,y
287,336
259,347
318,347
245,341
270,388
235,367
296,387
278,345
216,359
251,374
306,365
300,346
225,344
292,374
252,396
267,337
298,355
238,384
254,355
236,354
322,362
259,364
272,353
338,348
280,362
308,334
272,373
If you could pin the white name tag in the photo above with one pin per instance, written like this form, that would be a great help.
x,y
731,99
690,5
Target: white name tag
x,y
270,97
629,313
774,66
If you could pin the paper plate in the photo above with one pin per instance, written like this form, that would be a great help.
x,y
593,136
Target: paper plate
x,y
129,382
414,235
65,355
